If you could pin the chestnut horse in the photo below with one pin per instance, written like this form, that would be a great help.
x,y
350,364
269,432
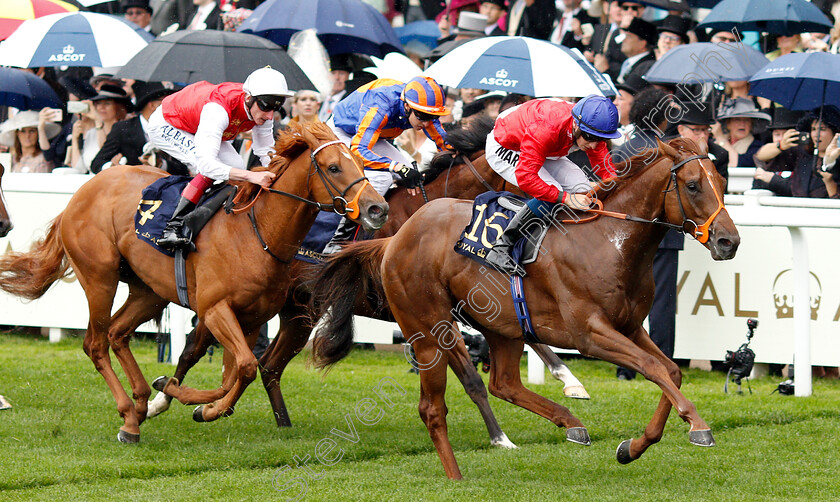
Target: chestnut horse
x,y
590,290
234,284
5,221
452,178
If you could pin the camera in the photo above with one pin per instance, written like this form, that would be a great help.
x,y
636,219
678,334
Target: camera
x,y
741,361
803,138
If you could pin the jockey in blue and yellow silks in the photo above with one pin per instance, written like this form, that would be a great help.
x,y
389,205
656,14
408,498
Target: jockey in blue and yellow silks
x,y
379,111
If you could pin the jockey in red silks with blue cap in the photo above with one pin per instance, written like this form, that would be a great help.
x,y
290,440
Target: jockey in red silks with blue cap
x,y
528,148
379,111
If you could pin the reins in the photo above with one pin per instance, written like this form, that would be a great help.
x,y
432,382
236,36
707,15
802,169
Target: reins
x,y
701,232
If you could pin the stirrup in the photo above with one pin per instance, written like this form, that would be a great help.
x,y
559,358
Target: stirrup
x,y
173,241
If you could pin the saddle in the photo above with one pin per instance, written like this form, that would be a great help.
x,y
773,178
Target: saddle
x,y
495,210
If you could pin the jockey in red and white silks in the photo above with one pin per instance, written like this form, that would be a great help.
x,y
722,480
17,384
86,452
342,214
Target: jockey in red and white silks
x,y
528,148
197,125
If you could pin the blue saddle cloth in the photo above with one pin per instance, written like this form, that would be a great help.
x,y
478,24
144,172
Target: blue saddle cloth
x,y
489,220
156,206
322,231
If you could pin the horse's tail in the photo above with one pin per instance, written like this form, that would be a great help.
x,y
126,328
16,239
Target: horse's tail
x,y
467,140
346,277
30,275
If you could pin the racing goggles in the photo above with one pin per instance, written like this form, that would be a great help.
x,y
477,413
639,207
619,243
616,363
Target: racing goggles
x,y
270,103
590,137
423,117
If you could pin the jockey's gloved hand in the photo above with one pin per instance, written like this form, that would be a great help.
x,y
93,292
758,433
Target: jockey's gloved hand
x,y
579,201
411,176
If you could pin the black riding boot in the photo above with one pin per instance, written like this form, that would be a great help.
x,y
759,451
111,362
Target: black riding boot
x,y
500,255
172,238
345,233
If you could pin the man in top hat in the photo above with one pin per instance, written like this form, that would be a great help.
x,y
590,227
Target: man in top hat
x,y
340,70
640,38
604,49
696,125
471,25
568,29
494,10
623,101
672,32
127,137
138,12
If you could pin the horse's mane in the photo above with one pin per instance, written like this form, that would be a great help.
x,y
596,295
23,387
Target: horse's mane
x,y
638,164
290,144
466,140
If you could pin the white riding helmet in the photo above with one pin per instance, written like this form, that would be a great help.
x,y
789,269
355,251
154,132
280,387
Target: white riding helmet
x,y
267,85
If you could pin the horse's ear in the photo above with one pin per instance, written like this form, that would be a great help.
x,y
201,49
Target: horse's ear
x,y
702,147
667,149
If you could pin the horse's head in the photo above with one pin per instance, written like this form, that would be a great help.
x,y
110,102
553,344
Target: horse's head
x,y
696,202
337,178
5,222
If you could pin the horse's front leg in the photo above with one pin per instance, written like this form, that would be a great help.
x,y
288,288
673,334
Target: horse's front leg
x,y
639,353
222,322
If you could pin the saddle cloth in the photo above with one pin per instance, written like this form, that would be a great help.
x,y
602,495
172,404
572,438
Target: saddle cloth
x,y
491,213
158,202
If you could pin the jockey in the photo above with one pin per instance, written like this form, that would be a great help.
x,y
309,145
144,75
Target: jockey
x,y
197,126
528,148
379,111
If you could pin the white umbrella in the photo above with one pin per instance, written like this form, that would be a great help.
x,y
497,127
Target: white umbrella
x,y
395,66
71,39
520,65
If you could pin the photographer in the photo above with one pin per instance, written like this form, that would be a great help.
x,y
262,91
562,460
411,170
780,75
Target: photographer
x,y
806,179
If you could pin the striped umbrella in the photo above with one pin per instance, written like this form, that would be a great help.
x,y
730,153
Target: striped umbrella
x,y
72,39
15,12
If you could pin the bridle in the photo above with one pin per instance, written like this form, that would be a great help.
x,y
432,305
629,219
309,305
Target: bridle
x,y
338,196
701,232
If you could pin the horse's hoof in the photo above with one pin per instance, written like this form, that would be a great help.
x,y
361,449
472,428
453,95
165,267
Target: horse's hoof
x,y
227,413
503,442
622,453
578,435
160,383
127,437
198,413
576,392
701,438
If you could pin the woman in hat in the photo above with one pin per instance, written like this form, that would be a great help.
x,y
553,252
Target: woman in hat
x,y
107,108
28,134
734,131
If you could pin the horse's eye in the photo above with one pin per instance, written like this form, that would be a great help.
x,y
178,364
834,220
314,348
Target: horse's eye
x,y
334,169
692,186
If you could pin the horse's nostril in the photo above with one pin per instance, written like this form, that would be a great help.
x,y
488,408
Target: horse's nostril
x,y
376,212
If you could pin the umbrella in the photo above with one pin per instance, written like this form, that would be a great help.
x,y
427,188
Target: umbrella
x,y
15,12
682,5
520,65
780,17
425,32
74,39
706,62
25,91
211,55
343,26
800,81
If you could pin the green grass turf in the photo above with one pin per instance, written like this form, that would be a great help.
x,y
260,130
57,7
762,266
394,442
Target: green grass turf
x,y
58,442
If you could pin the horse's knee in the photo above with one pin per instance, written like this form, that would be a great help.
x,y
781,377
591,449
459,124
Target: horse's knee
x,y
248,370
474,386
674,373
433,416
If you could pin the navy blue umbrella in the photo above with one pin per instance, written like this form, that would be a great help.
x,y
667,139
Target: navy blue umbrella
x,y
706,62
800,81
343,26
25,91
779,17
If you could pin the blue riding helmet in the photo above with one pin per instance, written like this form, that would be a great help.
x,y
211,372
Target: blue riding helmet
x,y
598,116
